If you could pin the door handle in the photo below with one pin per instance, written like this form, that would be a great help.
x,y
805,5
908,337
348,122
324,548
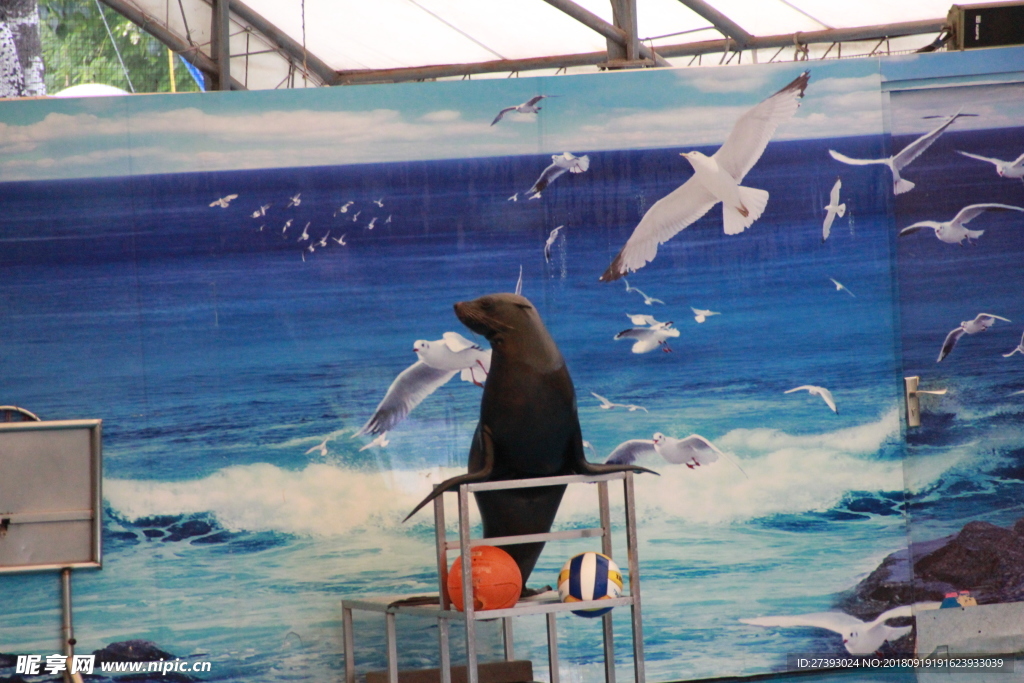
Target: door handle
x,y
911,393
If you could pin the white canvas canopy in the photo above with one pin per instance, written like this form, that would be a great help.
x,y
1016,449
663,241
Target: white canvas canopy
x,y
308,43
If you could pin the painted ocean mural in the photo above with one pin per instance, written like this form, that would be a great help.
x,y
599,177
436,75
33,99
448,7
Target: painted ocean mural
x,y
233,361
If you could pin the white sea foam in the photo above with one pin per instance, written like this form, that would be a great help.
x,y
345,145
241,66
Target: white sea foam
x,y
318,500
787,474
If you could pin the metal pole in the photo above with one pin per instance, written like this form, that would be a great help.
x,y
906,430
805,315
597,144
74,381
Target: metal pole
x,y
634,578
472,675
67,628
440,539
606,548
391,644
507,638
221,35
443,630
552,647
443,625
348,637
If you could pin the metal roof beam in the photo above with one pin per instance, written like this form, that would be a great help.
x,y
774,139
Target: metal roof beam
x,y
727,26
192,53
591,20
220,32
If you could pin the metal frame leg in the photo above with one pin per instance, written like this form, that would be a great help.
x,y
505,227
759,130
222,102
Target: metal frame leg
x,y
391,644
443,627
634,579
508,639
472,675
348,640
606,548
552,648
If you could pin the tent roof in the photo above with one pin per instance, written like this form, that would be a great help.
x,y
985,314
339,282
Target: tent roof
x,y
307,43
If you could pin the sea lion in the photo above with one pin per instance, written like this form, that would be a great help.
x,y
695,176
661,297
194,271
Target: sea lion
x,y
528,424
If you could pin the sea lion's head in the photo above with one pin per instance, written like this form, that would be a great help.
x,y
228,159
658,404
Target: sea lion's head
x,y
513,327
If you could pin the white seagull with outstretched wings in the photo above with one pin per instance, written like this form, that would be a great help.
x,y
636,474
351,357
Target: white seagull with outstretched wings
x,y
953,231
715,179
901,160
981,322
527,107
438,362
832,209
859,637
692,451
560,163
1005,169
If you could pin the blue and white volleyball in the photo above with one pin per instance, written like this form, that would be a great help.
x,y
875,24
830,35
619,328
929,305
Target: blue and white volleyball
x,y
589,576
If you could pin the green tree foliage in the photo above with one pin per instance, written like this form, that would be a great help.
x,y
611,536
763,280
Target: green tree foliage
x,y
77,49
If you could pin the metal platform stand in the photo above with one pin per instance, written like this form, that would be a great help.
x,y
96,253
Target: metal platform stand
x,y
547,603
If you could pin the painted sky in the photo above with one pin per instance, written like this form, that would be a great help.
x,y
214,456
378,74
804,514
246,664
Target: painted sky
x,y
147,134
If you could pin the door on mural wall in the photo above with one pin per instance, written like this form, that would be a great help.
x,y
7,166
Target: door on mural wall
x,y
960,250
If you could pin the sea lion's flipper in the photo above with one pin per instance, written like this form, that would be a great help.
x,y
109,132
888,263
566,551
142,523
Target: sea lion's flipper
x,y
482,453
582,466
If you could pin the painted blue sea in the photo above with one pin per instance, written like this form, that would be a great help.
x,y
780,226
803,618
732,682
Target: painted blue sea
x,y
232,365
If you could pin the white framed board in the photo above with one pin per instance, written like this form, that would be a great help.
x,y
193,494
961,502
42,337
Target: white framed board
x,y
50,495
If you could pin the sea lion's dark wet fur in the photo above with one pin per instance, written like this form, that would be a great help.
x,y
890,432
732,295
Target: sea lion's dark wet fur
x,y
528,424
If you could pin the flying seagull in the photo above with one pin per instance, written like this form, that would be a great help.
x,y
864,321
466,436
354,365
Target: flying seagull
x,y
344,207
832,209
224,202
528,107
981,322
840,287
551,240
859,637
1005,169
643,319
322,447
287,224
560,163
825,394
340,240
898,162
262,211
514,198
715,179
692,451
649,338
373,222
649,300
1019,349
953,231
700,314
519,282
438,361
381,441
294,201
323,240
379,202
305,234
608,405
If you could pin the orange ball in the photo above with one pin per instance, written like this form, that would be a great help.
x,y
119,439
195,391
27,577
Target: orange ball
x,y
497,581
